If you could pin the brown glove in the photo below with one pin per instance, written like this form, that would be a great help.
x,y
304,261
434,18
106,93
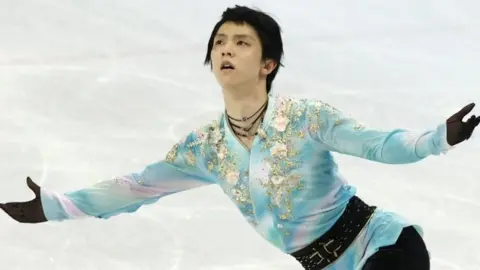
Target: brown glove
x,y
26,212
459,131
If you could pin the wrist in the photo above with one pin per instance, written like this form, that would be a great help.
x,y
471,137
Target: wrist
x,y
439,140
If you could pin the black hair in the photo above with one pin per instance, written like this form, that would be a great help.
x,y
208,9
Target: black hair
x,y
267,29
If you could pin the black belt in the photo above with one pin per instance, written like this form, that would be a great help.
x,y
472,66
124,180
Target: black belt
x,y
331,245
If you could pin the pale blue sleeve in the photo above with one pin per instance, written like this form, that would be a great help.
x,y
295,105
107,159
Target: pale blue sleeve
x,y
338,132
182,169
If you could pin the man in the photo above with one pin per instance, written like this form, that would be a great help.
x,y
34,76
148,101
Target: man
x,y
272,156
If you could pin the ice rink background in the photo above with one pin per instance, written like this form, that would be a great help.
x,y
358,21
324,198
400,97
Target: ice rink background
x,y
91,89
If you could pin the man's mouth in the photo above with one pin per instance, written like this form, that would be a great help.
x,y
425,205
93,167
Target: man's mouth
x,y
226,65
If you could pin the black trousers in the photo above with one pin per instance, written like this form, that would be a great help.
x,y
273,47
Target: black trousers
x,y
408,253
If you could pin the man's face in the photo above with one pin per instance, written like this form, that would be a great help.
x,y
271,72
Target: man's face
x,y
237,55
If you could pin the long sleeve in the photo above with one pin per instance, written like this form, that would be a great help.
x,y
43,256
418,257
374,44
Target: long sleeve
x,y
182,169
343,134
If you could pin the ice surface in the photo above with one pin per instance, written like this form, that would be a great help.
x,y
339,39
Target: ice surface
x,y
90,89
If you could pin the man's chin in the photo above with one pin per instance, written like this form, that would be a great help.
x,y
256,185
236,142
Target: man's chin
x,y
229,83
234,83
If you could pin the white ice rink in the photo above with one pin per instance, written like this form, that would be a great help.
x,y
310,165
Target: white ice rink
x,y
95,88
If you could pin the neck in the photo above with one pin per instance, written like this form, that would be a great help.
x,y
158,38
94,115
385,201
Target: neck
x,y
241,103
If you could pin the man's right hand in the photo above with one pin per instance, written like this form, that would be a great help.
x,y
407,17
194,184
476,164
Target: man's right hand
x,y
26,212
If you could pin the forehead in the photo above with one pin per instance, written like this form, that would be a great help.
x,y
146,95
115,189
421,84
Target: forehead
x,y
237,29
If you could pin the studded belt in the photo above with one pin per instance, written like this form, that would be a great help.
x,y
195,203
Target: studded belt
x,y
330,246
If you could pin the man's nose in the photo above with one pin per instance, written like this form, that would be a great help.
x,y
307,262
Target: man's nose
x,y
227,50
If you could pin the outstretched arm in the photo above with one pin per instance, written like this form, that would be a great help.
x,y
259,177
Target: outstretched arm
x,y
182,169
343,134
122,194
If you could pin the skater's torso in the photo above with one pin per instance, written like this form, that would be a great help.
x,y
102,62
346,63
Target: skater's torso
x,y
285,183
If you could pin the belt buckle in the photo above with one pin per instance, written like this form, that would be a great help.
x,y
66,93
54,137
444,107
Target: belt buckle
x,y
327,251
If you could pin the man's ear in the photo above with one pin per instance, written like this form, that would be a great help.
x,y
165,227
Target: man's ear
x,y
268,66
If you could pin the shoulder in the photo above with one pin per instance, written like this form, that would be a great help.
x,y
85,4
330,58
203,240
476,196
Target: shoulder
x,y
291,107
307,114
195,143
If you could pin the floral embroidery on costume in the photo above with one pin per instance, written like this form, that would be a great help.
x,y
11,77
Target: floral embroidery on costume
x,y
282,181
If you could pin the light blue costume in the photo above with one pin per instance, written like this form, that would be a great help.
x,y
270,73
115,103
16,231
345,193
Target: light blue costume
x,y
287,186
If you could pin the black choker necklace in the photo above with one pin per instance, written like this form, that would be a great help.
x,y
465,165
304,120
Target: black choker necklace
x,y
244,119
260,113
